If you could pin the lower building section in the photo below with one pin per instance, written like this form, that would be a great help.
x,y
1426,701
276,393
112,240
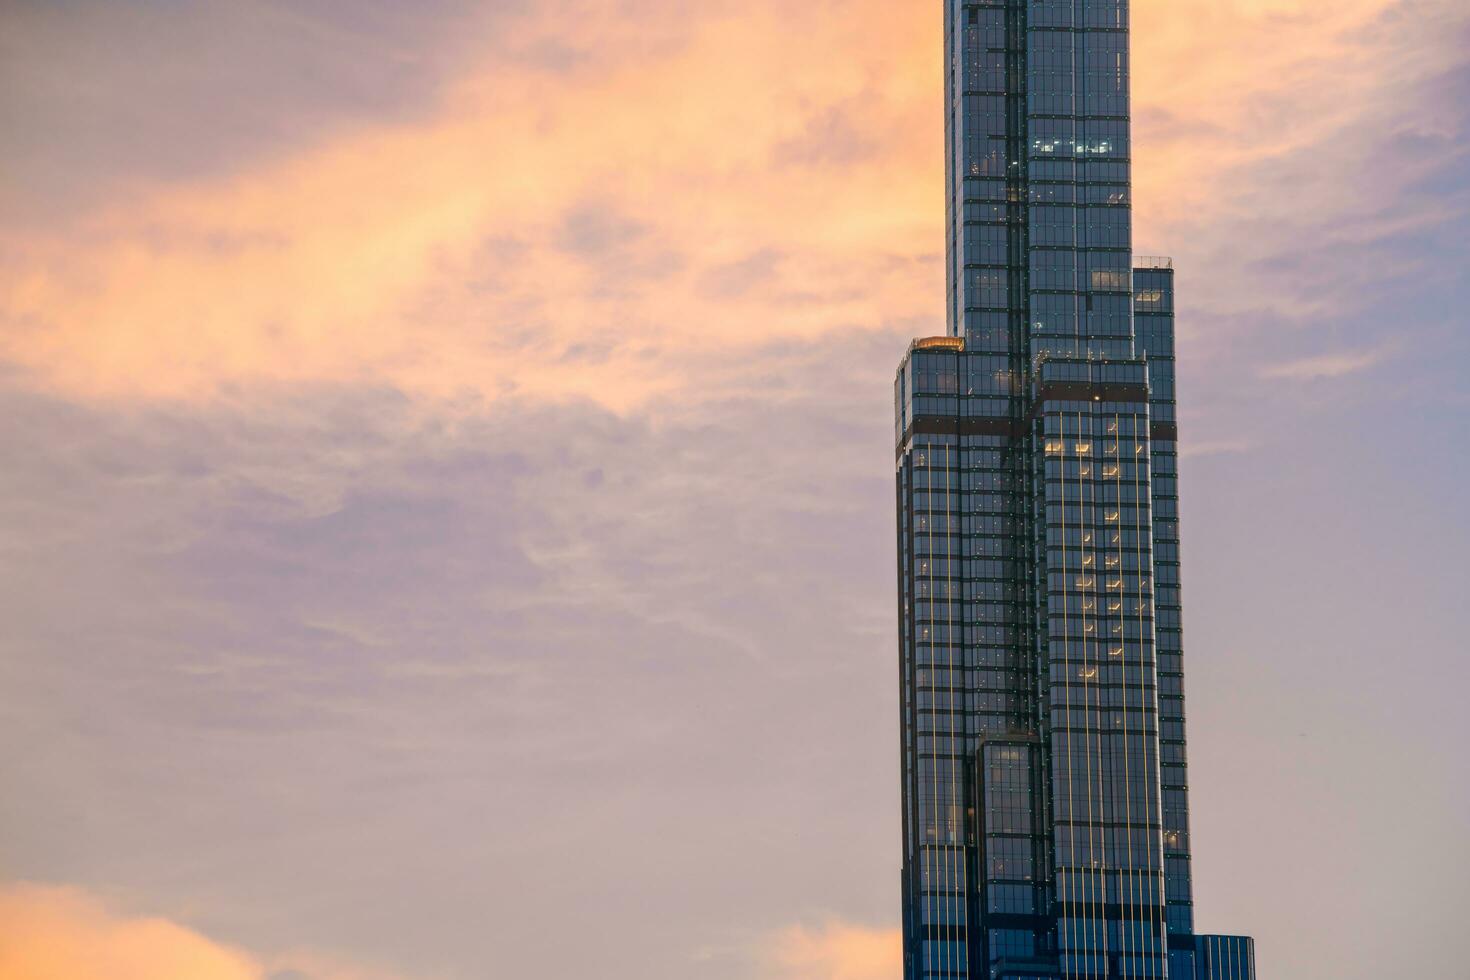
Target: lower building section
x,y
1217,958
1190,958
1046,824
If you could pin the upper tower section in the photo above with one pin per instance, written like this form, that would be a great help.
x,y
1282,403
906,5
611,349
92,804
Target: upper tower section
x,y
1038,176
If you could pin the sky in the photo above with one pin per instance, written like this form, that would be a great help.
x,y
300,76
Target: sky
x,y
447,523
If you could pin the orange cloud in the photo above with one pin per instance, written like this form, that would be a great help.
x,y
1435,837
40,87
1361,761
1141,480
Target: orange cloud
x,y
1335,365
59,934
1231,82
63,934
1269,130
837,952
625,224
543,234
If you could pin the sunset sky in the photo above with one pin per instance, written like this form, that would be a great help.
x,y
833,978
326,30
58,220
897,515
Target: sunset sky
x,y
447,506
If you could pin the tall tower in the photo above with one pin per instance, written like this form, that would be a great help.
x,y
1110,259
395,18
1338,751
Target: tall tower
x,y
1045,789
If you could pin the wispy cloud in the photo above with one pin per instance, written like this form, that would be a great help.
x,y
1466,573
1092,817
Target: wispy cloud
x,y
1333,365
1216,447
1281,143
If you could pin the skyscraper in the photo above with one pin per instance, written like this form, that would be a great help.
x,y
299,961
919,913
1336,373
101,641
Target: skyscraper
x,y
1045,788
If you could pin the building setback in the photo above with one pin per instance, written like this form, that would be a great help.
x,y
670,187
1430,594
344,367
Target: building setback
x,y
1045,781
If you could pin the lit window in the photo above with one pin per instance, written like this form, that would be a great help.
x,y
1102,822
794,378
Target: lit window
x,y
1149,299
1104,279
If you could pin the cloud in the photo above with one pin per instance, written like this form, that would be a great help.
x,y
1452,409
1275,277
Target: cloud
x,y
668,193
205,90
61,934
1335,365
56,933
836,951
363,259
1282,145
1216,447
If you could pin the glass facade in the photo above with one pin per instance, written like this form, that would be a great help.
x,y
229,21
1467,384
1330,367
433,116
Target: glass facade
x,y
1045,789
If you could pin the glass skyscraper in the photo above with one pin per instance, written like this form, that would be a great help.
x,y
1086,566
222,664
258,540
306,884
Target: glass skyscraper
x,y
1045,783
